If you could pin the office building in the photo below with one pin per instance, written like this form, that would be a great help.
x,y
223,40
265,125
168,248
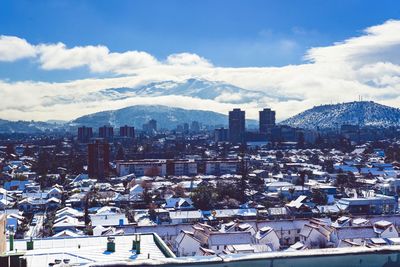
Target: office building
x,y
237,126
150,127
267,120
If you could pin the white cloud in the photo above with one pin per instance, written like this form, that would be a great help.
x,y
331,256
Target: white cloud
x,y
367,65
13,48
97,58
378,43
58,56
187,59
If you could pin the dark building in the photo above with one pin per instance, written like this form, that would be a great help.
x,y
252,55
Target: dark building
x,y
153,125
106,132
237,126
267,120
150,127
195,127
85,134
284,133
98,159
127,131
221,135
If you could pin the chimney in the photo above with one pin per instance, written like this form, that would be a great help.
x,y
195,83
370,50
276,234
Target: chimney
x,y
29,244
136,244
110,244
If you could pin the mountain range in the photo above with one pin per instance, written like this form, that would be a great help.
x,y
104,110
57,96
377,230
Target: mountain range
x,y
196,88
362,113
166,117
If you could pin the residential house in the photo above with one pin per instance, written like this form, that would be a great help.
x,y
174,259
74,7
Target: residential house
x,y
267,236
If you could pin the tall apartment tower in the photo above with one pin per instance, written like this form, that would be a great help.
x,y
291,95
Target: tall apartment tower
x,y
98,159
237,126
106,132
153,125
267,120
85,134
127,131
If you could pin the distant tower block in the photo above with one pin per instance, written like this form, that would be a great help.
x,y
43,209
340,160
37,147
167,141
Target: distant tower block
x,y
127,131
267,120
237,126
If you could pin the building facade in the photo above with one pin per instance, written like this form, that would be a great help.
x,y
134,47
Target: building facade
x,y
85,134
98,159
237,126
127,131
106,132
266,120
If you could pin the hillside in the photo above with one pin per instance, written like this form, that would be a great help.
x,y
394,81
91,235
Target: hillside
x,y
363,113
167,117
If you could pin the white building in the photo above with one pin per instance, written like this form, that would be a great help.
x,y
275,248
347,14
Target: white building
x,y
267,236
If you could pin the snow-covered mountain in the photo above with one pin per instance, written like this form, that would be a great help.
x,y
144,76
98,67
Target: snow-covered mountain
x,y
30,127
195,88
167,117
363,113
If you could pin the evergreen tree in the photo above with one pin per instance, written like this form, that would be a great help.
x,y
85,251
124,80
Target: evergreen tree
x,y
203,197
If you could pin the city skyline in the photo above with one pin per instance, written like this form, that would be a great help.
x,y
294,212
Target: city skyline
x,y
296,61
213,133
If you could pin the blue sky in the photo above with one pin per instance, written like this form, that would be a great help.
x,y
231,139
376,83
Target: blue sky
x,y
56,57
228,33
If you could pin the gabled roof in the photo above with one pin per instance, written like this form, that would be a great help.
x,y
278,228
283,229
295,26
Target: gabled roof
x,y
355,232
297,203
66,233
221,239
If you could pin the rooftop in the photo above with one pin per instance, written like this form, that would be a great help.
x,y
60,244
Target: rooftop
x,y
86,250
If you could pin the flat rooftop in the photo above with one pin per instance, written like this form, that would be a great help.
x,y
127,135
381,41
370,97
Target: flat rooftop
x,y
86,250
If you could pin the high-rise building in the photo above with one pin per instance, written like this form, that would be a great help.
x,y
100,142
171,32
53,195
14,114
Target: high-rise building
x,y
127,131
153,125
98,159
150,127
221,135
267,120
195,127
237,126
106,132
85,134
